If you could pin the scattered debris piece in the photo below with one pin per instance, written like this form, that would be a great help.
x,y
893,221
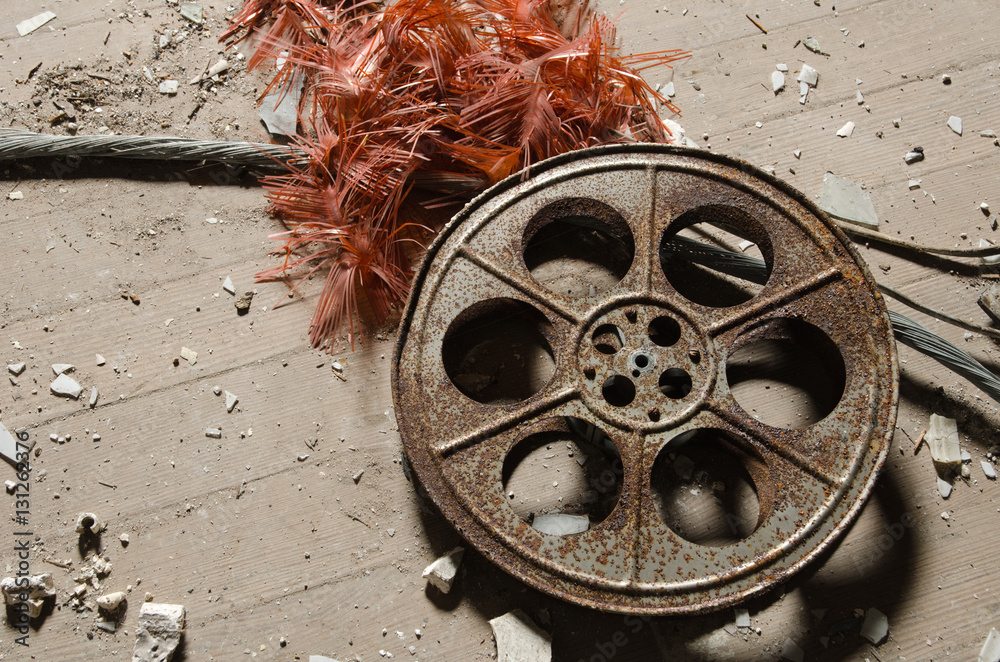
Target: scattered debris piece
x,y
756,23
15,368
169,86
39,588
669,90
782,67
812,44
189,355
66,385
89,523
988,133
988,470
742,618
217,390
10,486
914,155
110,602
792,651
985,208
743,246
29,25
160,629
777,81
441,573
231,401
192,11
860,98
990,651
357,477
955,124
213,433
847,200
913,184
875,627
946,79
942,439
93,397
228,286
560,524
279,109
944,488
808,78
60,368
99,359
519,639
15,195
846,131
124,539
243,303
11,447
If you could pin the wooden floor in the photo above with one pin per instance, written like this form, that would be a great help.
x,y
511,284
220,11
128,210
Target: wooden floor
x,y
264,545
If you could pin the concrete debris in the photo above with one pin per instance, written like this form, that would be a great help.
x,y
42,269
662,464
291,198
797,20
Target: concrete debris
x,y
29,25
10,486
913,184
519,639
847,200
990,652
441,573
875,627
279,109
243,303
988,133
782,67
668,90
808,75
218,68
169,86
777,81
942,440
110,602
860,98
955,124
846,131
11,448
98,359
15,195
67,386
561,525
742,618
231,401
192,11
124,539
39,589
189,355
60,368
792,651
89,523
217,390
93,397
944,488
15,368
228,286
988,470
915,155
213,433
160,629
812,44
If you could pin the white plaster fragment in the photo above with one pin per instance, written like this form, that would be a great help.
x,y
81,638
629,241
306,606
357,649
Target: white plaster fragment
x,y
189,355
519,639
990,652
782,67
942,440
89,522
441,573
847,200
846,131
988,469
560,524
875,627
110,602
93,397
231,401
913,184
944,488
38,590
66,385
169,86
777,81
808,75
160,629
228,286
742,618
213,433
15,368
98,359
29,25
60,368
668,90
860,98
955,124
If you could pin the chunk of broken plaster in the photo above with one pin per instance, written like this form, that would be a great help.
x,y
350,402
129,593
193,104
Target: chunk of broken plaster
x,y
875,627
89,522
231,401
213,433
519,639
990,652
228,286
279,109
441,573
38,590
846,131
110,602
169,86
66,385
944,488
777,81
60,368
15,368
189,355
321,658
160,629
808,75
847,200
29,25
913,156
561,525
792,651
11,448
988,470
942,440
955,124
742,618
99,359
93,397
